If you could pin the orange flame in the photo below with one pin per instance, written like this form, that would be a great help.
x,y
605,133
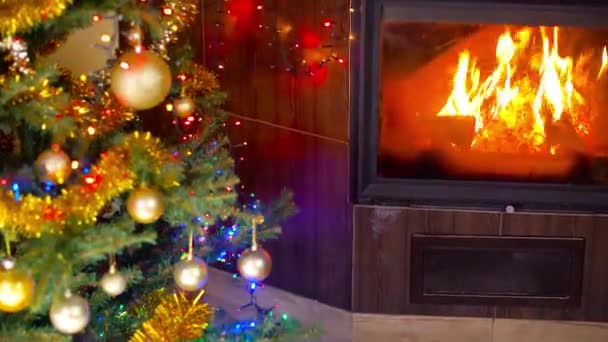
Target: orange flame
x,y
604,64
514,104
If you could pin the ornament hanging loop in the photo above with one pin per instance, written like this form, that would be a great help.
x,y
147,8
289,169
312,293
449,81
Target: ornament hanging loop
x,y
190,245
7,244
112,261
259,219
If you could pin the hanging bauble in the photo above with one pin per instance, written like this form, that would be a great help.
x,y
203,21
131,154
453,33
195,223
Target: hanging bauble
x,y
254,264
183,107
16,287
70,315
53,165
113,283
135,36
140,80
145,205
190,274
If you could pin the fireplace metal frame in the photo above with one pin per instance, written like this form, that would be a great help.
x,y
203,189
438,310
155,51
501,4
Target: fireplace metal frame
x,y
368,188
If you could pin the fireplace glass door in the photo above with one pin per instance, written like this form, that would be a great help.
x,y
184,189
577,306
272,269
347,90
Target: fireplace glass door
x,y
493,102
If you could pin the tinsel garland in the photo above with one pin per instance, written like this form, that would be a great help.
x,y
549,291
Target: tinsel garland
x,y
177,16
80,203
199,81
176,318
99,110
17,15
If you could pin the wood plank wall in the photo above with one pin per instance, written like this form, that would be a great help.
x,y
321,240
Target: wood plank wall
x,y
382,263
296,130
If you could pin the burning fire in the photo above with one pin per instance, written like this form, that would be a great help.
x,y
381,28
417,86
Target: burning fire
x,y
528,93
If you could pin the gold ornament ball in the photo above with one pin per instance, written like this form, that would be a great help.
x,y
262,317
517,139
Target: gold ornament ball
x,y
258,219
53,165
145,205
183,107
190,275
254,264
70,315
113,283
140,80
16,288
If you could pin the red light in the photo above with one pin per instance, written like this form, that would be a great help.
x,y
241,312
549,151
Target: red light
x,y
167,11
327,23
89,179
190,118
96,18
181,77
4,181
341,60
297,45
238,123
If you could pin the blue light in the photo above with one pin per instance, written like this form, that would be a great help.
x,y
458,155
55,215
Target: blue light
x,y
252,324
218,172
198,219
16,192
86,170
252,286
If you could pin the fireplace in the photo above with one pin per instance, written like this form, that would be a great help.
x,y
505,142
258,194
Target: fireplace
x,y
480,104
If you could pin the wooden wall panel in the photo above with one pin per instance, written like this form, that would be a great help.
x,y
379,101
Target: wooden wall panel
x,y
256,80
313,255
594,306
382,258
296,130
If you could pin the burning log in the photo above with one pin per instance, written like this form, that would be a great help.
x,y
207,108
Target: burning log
x,y
425,90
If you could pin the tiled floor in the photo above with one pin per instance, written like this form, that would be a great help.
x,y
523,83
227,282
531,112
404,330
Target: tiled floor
x,y
341,326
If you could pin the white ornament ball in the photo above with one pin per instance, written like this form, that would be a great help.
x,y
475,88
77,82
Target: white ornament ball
x,y
70,315
190,275
113,283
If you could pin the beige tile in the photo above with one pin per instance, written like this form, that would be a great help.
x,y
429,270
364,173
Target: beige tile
x,y
228,293
508,330
380,328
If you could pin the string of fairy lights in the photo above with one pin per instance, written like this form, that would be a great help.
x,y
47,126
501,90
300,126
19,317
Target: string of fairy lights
x,y
327,38
331,37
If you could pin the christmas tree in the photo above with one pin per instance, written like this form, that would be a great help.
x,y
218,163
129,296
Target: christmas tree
x,y
107,228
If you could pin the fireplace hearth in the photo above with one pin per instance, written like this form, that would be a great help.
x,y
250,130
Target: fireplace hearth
x,y
482,104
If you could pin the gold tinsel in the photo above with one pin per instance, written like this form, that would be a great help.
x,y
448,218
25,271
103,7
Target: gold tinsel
x,y
17,15
199,81
176,318
80,204
99,111
177,15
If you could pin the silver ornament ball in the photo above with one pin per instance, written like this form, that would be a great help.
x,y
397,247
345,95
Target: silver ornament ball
x,y
70,315
190,275
113,283
255,264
